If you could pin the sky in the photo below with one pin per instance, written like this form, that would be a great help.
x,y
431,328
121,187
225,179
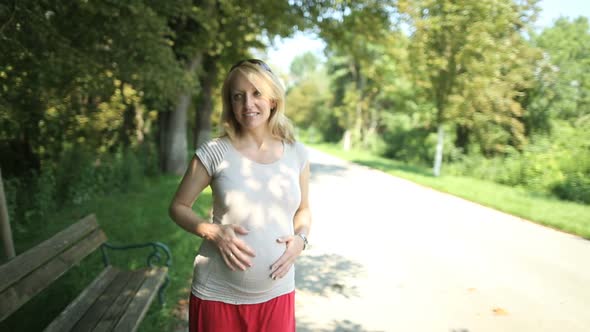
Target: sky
x,y
286,49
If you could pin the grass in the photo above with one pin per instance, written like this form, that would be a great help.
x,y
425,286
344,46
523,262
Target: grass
x,y
134,217
566,216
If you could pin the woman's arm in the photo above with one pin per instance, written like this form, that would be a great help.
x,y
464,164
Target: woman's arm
x,y
194,181
235,252
302,219
301,224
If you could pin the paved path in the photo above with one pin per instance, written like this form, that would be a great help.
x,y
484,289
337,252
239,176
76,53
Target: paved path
x,y
389,255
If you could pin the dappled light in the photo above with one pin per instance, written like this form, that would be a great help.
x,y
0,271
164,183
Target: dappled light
x,y
327,275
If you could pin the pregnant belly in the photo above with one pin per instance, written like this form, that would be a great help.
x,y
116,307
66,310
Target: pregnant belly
x,y
256,279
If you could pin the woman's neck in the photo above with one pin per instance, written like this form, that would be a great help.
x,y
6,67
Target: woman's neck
x,y
258,138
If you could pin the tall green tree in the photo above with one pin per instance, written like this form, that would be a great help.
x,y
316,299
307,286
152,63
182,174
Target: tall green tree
x,y
353,35
466,56
308,99
70,70
562,90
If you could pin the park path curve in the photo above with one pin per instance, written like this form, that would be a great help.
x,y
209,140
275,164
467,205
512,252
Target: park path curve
x,y
391,255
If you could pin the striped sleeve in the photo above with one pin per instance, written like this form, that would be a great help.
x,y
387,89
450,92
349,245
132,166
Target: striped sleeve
x,y
211,154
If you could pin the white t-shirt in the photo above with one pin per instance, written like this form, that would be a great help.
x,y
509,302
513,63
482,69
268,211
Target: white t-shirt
x,y
263,198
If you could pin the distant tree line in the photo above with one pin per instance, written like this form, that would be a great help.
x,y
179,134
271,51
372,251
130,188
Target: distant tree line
x,y
469,87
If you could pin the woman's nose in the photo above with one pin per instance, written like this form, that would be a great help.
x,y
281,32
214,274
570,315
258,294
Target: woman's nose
x,y
248,101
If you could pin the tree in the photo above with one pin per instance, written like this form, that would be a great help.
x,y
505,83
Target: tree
x,y
66,75
562,91
466,60
308,99
353,36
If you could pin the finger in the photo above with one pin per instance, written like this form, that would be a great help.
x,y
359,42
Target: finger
x,y
282,260
243,247
283,270
283,239
227,262
286,260
237,262
241,258
240,230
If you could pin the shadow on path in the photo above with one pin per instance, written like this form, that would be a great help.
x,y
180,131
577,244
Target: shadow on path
x,y
326,275
336,326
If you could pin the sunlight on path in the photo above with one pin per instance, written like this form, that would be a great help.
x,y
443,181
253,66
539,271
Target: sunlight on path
x,y
389,255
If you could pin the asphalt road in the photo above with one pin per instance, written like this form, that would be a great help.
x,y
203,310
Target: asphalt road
x,y
390,255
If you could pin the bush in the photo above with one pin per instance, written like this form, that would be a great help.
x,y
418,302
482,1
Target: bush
x,y
575,187
556,164
79,176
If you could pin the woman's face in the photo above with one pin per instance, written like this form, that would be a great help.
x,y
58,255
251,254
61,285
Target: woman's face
x,y
250,107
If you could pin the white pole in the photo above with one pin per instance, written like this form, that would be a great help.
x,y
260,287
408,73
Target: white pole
x,y
439,151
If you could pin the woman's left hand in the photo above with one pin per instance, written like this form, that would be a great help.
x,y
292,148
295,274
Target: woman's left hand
x,y
294,245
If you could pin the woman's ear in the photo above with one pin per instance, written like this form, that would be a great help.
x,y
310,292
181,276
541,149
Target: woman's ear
x,y
273,104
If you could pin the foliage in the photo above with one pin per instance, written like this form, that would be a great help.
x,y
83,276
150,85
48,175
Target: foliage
x,y
80,176
357,37
308,100
472,62
75,72
558,164
564,95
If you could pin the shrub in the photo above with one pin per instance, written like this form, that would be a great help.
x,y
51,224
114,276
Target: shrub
x,y
79,176
575,187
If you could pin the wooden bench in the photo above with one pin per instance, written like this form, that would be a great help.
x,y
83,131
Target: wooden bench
x,y
116,300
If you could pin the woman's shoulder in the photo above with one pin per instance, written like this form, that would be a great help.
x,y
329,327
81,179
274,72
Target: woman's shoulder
x,y
298,147
300,152
215,145
213,152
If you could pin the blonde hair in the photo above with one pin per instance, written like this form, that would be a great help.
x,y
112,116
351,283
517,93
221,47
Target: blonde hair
x,y
269,86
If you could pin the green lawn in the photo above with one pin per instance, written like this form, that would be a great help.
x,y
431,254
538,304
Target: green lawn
x,y
566,216
135,217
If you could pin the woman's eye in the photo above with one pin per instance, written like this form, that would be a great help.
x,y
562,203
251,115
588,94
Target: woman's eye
x,y
257,93
237,97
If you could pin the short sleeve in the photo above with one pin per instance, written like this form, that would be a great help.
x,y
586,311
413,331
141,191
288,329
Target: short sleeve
x,y
211,154
302,155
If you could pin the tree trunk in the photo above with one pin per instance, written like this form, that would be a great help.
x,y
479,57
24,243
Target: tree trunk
x,y
175,140
6,232
163,119
371,132
128,127
439,151
346,140
462,140
202,129
176,148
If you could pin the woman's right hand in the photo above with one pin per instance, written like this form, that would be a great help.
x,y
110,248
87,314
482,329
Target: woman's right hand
x,y
235,252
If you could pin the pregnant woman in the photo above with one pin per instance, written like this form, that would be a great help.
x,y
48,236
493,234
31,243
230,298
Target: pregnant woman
x,y
243,274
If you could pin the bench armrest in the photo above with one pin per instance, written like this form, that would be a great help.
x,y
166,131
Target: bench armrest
x,y
154,258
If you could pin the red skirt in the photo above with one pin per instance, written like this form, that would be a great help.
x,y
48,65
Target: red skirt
x,y
276,315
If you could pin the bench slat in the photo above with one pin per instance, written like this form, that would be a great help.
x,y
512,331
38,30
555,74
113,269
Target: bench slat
x,y
18,294
68,318
28,261
118,307
142,300
88,321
